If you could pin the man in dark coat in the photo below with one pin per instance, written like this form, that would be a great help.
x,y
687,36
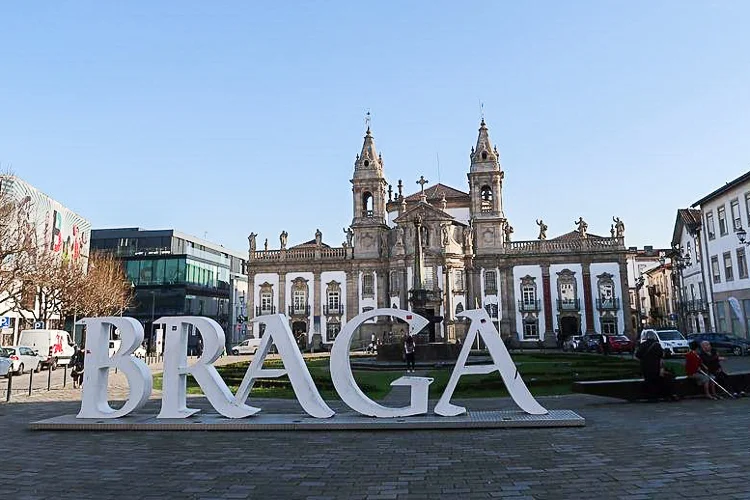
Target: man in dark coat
x,y
651,355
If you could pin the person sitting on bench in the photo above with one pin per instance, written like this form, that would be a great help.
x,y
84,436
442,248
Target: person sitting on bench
x,y
693,370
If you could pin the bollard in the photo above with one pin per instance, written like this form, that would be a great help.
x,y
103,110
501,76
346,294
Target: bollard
x,y
49,379
65,375
31,380
10,384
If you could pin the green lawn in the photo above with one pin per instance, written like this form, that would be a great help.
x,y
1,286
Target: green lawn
x,y
544,374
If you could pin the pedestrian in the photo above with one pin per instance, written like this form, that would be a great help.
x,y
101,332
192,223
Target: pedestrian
x,y
693,370
409,348
658,382
76,361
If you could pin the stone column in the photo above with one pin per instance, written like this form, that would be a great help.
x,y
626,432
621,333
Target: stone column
x,y
352,295
549,331
448,318
507,293
587,298
627,313
250,302
282,293
316,306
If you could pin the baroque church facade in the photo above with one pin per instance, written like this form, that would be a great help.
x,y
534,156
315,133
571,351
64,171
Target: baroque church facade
x,y
438,252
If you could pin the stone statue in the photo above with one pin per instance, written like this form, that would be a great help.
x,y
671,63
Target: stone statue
x,y
399,236
619,227
318,237
612,230
508,231
542,229
384,244
582,227
349,233
251,241
265,245
418,220
446,235
282,239
468,237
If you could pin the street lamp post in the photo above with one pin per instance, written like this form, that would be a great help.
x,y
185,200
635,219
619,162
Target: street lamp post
x,y
153,307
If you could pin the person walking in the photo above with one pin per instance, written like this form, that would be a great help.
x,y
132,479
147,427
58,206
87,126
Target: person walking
x,y
76,361
409,354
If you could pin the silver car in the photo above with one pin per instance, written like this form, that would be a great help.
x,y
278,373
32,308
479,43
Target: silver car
x,y
24,359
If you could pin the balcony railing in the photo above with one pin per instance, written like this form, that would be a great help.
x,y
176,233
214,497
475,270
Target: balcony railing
x,y
529,305
568,304
612,304
299,310
696,305
333,311
262,311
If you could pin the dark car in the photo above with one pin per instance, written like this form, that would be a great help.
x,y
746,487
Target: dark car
x,y
724,342
590,343
620,343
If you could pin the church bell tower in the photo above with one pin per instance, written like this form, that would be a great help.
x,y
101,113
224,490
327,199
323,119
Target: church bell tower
x,y
369,186
486,194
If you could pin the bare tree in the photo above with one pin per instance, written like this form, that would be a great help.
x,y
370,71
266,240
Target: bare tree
x,y
17,246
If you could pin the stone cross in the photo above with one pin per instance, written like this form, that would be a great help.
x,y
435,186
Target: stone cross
x,y
422,181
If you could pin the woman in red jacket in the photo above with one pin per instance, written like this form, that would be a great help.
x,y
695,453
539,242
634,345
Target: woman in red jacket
x,y
693,365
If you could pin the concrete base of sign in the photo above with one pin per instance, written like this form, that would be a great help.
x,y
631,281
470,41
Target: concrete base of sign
x,y
482,419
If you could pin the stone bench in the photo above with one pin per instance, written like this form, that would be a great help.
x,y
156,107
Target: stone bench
x,y
633,389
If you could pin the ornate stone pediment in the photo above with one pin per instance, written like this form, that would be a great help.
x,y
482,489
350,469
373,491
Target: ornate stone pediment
x,y
426,211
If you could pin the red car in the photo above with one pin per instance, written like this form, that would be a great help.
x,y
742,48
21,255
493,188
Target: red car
x,y
620,343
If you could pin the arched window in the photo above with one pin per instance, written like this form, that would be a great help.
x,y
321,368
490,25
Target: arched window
x,y
487,197
459,308
367,202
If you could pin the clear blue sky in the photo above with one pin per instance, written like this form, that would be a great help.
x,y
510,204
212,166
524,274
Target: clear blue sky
x,y
224,118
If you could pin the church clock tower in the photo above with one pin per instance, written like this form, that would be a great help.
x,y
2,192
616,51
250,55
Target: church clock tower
x,y
369,186
486,194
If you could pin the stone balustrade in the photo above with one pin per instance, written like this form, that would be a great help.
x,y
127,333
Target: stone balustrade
x,y
322,253
563,246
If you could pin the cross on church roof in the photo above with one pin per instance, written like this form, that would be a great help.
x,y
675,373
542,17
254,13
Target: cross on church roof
x,y
422,181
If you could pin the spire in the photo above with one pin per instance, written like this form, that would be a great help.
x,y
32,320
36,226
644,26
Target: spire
x,y
368,158
484,152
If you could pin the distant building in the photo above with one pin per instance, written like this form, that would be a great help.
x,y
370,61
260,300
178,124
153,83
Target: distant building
x,y
640,261
177,274
53,228
438,252
726,217
689,272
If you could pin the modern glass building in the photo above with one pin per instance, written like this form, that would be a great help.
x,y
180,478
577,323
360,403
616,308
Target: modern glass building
x,y
177,274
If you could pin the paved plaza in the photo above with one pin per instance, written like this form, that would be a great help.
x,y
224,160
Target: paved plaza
x,y
689,449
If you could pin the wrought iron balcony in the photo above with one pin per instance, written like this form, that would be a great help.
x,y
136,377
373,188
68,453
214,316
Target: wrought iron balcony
x,y
262,311
568,304
529,305
299,310
697,305
333,311
612,304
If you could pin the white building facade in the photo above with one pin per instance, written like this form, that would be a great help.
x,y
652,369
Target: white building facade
x,y
440,251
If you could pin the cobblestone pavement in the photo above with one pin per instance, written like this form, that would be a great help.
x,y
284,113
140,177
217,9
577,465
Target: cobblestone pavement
x,y
689,449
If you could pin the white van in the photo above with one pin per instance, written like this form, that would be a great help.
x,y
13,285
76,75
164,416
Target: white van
x,y
54,345
671,341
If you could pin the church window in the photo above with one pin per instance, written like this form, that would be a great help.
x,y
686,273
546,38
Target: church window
x,y
609,326
266,301
529,295
459,308
486,199
429,278
368,285
367,202
490,282
530,328
332,329
484,155
491,310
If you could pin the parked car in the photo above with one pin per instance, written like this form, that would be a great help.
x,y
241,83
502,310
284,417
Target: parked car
x,y
24,359
571,343
54,345
247,346
724,342
620,343
591,342
5,363
671,341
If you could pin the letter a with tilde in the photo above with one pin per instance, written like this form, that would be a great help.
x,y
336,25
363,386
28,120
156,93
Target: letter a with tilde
x,y
95,402
278,332
501,361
